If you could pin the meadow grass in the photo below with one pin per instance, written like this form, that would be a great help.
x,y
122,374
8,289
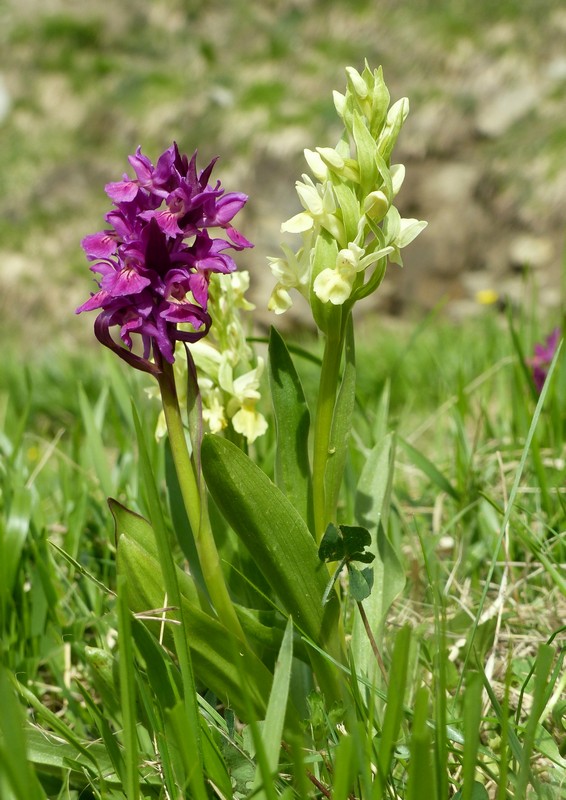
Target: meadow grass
x,y
471,699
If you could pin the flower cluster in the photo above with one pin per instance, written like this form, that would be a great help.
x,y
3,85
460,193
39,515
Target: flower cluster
x,y
156,258
228,380
349,225
544,353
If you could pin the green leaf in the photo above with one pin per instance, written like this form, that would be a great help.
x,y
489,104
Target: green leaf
x,y
477,792
292,418
345,543
361,582
134,525
14,766
274,533
372,503
209,641
13,536
394,707
94,444
356,539
421,779
331,546
272,729
345,768
342,422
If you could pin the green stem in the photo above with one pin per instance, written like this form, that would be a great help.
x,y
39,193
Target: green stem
x,y
196,506
328,388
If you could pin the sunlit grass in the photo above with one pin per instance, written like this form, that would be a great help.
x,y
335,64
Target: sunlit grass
x,y
484,676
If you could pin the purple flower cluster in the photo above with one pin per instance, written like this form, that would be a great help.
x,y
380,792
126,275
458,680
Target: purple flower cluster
x,y
544,353
156,257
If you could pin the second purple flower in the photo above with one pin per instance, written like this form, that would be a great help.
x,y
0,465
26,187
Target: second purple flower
x,y
155,258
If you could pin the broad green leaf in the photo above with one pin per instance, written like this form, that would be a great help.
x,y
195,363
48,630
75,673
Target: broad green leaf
x,y
274,533
372,501
134,525
51,756
292,418
263,628
341,422
209,641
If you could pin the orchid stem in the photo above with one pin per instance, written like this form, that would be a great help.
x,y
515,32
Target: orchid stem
x,y
328,387
196,506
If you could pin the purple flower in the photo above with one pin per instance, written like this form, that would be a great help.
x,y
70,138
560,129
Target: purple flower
x,y
155,258
544,353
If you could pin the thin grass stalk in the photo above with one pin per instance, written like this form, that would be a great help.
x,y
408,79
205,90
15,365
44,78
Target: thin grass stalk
x,y
128,694
507,516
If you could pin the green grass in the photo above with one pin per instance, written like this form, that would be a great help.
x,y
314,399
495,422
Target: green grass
x,y
473,646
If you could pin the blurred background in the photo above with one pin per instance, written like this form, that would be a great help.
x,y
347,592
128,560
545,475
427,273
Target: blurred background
x,y
82,84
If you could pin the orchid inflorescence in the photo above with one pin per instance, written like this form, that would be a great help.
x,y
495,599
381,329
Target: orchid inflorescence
x,y
349,204
156,258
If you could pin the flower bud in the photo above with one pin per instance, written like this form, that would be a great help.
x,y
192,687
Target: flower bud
x,y
356,83
339,103
316,164
376,206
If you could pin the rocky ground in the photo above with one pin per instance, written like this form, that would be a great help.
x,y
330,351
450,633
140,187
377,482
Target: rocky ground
x,y
81,85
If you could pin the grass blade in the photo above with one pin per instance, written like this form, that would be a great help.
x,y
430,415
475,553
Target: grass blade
x,y
272,728
127,693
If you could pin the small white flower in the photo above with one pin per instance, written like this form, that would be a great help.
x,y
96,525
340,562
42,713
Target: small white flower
x,y
333,286
244,391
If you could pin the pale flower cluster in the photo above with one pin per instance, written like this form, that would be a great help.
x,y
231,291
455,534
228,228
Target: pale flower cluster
x,y
348,202
229,383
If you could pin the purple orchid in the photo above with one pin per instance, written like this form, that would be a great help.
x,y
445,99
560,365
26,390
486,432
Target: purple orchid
x,y
156,257
544,353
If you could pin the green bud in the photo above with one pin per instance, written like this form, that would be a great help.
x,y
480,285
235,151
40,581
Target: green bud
x,y
356,83
395,118
380,102
376,205
339,103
